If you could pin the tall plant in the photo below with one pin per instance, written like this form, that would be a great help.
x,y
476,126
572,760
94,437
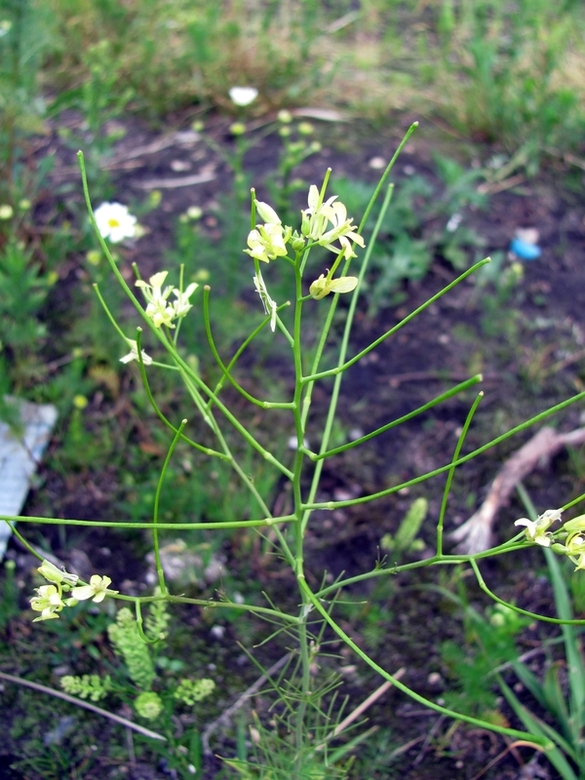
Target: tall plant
x,y
324,224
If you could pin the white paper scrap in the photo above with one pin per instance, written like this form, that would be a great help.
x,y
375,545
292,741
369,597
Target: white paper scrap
x,y
22,444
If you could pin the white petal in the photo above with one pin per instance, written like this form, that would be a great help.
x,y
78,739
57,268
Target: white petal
x,y
243,96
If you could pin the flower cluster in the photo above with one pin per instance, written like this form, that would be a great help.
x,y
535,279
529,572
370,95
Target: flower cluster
x,y
324,223
158,308
574,543
50,600
572,535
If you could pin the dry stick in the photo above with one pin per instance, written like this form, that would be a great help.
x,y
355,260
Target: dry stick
x,y
227,714
361,708
176,181
129,157
493,187
510,749
475,534
80,703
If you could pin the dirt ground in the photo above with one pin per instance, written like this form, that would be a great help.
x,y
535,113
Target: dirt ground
x,y
529,351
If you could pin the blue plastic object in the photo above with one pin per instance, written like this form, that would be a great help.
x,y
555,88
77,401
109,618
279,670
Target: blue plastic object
x,y
524,250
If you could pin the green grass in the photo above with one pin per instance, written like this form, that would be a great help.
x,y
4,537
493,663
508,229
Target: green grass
x,y
492,70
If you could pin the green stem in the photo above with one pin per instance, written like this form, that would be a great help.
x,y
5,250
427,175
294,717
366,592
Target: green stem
x,y
535,615
442,469
515,734
195,384
385,175
223,524
303,638
340,368
112,263
21,538
399,420
139,623
248,483
272,615
450,473
510,546
159,567
241,349
331,412
159,413
224,370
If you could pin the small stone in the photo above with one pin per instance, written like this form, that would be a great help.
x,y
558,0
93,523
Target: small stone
x,y
377,163
217,632
180,165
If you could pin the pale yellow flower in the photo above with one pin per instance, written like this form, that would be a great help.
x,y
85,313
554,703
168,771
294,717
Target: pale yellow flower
x,y
537,530
328,222
158,309
323,286
96,590
48,602
267,242
133,354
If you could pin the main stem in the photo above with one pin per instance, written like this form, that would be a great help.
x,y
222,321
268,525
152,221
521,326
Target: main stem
x,y
299,532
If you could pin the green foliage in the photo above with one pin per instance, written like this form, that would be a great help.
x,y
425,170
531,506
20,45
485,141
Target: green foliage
x,y
9,607
25,38
505,71
561,692
405,538
24,287
490,642
191,691
171,55
88,686
126,639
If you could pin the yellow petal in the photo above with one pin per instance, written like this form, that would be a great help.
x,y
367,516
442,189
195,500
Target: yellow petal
x,y
344,284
